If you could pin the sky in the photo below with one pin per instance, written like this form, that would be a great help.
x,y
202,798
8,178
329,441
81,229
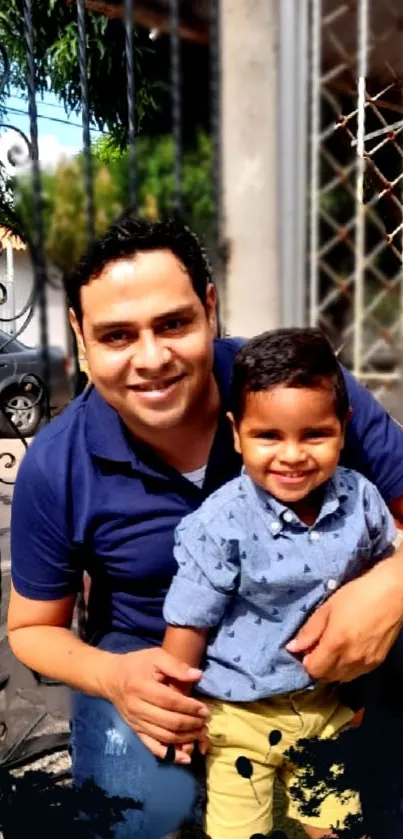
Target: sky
x,y
59,134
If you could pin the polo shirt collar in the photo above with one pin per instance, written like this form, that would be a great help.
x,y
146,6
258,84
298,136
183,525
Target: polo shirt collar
x,y
107,436
335,492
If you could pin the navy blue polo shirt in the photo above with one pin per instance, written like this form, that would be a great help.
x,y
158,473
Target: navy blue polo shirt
x,y
90,497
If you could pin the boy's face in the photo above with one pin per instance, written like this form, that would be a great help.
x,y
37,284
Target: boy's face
x,y
290,440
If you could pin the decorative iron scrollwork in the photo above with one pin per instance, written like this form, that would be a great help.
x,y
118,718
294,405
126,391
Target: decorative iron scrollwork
x,y
15,154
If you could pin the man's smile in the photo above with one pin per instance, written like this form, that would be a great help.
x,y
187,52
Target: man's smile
x,y
157,384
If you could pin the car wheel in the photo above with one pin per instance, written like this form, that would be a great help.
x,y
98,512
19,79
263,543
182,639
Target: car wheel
x,y
23,412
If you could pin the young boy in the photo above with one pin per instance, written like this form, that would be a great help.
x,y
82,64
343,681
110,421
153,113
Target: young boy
x,y
255,560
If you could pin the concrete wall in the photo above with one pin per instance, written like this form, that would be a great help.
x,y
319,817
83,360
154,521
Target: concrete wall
x,y
249,33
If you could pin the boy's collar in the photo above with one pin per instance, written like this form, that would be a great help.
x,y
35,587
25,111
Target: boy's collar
x,y
335,492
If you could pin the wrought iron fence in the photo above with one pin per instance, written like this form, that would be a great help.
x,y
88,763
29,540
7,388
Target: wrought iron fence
x,y
355,182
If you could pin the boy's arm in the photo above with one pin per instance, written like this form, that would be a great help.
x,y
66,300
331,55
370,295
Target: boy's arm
x,y
186,644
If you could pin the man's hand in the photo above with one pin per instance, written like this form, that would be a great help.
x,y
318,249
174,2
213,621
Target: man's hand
x,y
353,631
160,715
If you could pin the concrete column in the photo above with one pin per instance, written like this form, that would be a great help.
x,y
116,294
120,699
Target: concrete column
x,y
249,31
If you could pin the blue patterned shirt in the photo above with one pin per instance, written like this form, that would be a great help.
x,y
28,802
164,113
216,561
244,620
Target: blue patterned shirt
x,y
250,570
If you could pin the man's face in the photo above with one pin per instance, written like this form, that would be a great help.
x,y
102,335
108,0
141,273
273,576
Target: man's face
x,y
290,440
148,339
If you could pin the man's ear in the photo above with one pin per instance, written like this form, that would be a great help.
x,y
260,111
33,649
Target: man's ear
x,y
211,307
77,331
237,442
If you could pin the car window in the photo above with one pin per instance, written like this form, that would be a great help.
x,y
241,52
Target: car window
x,y
13,347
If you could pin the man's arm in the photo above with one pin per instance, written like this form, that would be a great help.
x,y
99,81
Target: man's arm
x,y
353,631
46,577
374,443
138,683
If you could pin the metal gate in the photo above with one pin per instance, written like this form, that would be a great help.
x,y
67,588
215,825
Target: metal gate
x,y
355,289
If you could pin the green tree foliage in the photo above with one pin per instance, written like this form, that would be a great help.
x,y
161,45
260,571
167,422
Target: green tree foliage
x,y
57,69
57,65
155,166
64,198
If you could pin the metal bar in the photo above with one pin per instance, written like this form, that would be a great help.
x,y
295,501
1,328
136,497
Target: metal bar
x,y
215,115
87,157
362,38
131,99
292,140
5,71
381,377
286,153
39,262
11,284
314,160
176,93
400,320
301,141
216,139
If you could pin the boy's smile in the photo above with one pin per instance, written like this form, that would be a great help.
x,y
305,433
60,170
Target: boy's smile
x,y
290,440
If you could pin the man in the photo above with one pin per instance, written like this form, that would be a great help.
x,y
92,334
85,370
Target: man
x,y
102,489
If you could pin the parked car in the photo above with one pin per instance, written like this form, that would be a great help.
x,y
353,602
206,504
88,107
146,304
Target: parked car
x,y
19,397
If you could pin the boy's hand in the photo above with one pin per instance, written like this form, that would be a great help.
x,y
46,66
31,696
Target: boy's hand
x,y
183,753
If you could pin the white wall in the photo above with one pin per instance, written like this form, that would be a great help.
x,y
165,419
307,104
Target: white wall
x,y
58,329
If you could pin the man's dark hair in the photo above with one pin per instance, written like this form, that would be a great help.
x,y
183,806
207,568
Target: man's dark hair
x,y
130,235
289,358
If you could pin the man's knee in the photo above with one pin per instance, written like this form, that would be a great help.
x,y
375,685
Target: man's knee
x,y
108,753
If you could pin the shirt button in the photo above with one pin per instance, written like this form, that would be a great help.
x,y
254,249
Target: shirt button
x,y
288,516
314,536
331,585
275,526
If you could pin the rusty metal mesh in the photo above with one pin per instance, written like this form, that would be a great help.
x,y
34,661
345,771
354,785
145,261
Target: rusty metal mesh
x,y
356,248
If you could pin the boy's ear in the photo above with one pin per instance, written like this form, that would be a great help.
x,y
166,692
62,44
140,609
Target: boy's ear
x,y
237,443
348,417
346,421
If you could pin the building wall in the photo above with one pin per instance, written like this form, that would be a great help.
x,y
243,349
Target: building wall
x,y
18,293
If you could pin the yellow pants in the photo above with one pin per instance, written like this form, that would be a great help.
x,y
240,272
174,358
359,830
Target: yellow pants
x,y
240,792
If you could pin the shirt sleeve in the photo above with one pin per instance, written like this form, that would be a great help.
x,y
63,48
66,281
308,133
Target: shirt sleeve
x,y
43,561
374,441
381,527
207,576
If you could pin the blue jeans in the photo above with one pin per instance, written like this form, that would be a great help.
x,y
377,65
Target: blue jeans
x,y
156,798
